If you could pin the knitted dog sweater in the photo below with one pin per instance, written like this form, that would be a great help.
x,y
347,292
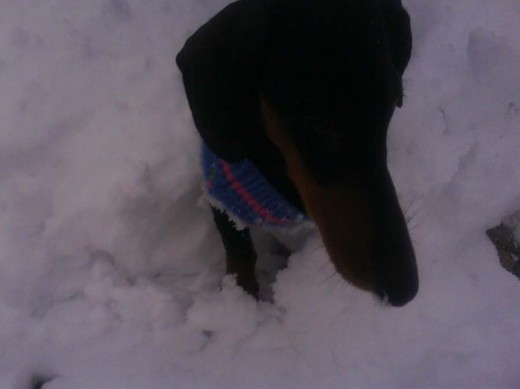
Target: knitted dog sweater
x,y
245,195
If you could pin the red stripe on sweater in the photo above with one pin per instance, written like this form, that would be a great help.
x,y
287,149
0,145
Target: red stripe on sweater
x,y
248,198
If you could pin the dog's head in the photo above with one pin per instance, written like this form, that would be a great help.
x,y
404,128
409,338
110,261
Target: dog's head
x,y
319,80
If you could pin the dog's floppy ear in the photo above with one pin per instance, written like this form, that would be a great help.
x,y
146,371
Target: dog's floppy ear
x,y
220,69
399,33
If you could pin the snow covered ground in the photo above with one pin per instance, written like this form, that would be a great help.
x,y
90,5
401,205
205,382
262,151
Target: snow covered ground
x,y
110,265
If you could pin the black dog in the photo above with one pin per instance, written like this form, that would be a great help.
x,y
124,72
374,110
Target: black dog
x,y
305,90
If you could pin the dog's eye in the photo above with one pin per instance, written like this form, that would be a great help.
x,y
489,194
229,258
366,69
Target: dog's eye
x,y
315,125
321,129
321,133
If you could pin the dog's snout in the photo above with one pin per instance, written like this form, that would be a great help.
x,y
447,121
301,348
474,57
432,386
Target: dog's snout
x,y
402,295
360,220
399,293
395,263
365,235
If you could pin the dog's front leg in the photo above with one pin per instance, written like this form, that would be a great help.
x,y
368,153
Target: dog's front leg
x,y
240,253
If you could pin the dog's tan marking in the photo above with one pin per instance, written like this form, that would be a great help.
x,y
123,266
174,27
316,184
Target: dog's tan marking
x,y
342,215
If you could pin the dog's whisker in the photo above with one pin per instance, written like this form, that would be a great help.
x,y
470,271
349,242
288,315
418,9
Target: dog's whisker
x,y
411,217
410,204
335,284
325,278
332,275
322,267
417,223
320,247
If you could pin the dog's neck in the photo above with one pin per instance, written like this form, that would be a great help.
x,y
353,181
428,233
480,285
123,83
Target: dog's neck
x,y
271,164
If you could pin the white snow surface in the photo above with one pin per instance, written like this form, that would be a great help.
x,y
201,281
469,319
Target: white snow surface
x,y
111,268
